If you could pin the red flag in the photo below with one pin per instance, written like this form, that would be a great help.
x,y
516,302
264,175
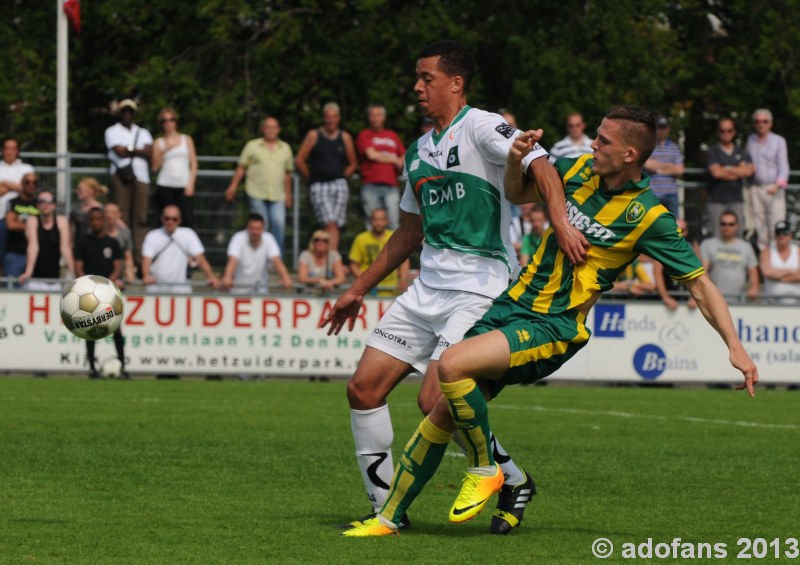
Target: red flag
x,y
72,8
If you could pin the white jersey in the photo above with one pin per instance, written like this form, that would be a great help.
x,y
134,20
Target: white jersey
x,y
455,181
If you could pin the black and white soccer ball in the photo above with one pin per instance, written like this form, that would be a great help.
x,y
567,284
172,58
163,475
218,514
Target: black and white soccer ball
x,y
91,307
111,368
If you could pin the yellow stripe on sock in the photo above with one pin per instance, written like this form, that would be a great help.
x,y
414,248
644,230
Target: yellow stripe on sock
x,y
433,433
481,444
402,481
458,389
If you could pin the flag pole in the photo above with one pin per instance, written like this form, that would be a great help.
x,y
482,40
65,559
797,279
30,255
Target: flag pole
x,y
62,82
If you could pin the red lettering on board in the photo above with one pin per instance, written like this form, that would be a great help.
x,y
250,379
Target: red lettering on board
x,y
241,313
130,319
171,319
270,309
207,320
33,308
300,309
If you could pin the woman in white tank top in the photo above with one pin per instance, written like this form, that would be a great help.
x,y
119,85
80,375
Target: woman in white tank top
x,y
175,160
780,265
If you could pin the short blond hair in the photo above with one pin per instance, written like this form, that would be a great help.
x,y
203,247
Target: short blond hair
x,y
316,235
95,186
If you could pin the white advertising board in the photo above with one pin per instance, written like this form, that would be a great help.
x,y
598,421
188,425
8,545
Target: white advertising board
x,y
645,342
190,334
214,334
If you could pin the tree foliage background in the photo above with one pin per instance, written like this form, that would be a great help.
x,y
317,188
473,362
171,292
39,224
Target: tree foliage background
x,y
225,64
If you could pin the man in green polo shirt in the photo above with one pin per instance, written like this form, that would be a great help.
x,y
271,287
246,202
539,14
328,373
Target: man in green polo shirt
x,y
268,162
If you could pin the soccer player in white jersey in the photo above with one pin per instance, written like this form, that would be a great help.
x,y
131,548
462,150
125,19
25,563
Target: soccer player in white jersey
x,y
453,202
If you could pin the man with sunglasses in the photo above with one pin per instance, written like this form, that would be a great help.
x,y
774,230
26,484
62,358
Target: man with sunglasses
x,y
19,210
728,166
731,261
771,161
48,241
167,252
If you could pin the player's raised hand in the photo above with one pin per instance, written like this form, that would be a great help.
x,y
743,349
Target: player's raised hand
x,y
344,310
742,361
523,144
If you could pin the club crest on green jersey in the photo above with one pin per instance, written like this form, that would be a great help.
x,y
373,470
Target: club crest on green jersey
x,y
634,212
452,157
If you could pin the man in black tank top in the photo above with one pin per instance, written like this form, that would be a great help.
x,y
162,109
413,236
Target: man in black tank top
x,y
49,240
326,158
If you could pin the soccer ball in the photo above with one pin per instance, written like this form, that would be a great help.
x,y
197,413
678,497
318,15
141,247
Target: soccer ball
x,y
111,368
91,307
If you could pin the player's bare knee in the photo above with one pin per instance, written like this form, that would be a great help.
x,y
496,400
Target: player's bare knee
x,y
449,371
362,396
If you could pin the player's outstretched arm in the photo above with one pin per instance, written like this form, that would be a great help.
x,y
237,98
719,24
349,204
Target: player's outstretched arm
x,y
715,310
542,183
403,242
571,241
517,186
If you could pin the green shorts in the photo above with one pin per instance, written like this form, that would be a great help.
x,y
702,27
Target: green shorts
x,y
539,343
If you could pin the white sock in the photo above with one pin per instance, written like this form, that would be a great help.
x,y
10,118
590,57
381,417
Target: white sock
x,y
513,474
482,471
373,435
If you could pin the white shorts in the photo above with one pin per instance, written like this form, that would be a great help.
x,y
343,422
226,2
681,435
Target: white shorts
x,y
424,321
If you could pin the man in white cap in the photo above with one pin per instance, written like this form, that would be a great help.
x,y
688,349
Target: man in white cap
x,y
129,150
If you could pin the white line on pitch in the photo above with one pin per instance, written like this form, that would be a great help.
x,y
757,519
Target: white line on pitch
x,y
616,414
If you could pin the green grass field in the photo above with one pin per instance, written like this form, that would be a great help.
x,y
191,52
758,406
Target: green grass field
x,y
259,472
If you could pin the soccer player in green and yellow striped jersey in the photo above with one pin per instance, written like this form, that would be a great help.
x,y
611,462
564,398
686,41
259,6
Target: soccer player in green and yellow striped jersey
x,y
538,323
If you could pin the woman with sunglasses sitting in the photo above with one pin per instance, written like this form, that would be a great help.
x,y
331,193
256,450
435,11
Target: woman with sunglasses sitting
x,y
319,266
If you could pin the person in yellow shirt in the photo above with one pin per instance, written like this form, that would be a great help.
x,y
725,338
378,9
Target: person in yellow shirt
x,y
365,249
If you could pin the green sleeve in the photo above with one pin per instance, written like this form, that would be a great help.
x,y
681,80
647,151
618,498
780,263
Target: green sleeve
x,y
563,165
664,242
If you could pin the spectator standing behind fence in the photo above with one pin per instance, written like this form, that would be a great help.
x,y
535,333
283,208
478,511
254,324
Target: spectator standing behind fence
x,y
48,242
728,166
269,163
380,157
730,261
20,209
87,193
115,228
771,177
97,253
576,142
175,160
12,169
665,165
780,265
326,158
250,254
129,150
167,253
319,265
365,249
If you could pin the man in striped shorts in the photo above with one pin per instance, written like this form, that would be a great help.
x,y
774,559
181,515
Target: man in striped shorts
x,y
537,324
326,158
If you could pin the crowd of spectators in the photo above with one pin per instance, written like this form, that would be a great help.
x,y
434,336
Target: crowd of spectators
x,y
745,196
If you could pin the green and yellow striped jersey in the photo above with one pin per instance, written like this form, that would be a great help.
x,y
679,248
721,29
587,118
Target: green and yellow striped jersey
x,y
620,224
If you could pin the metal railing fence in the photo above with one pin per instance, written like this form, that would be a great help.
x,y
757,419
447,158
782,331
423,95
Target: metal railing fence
x,y
216,221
